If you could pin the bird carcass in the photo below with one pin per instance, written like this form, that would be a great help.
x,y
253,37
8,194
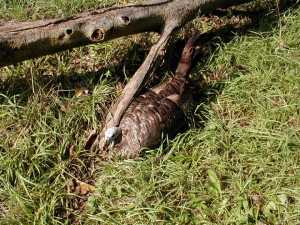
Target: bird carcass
x,y
159,112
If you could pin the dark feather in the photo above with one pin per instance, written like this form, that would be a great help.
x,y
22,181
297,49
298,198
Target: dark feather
x,y
160,111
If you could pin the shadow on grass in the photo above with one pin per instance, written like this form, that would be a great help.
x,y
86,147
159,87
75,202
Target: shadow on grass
x,y
23,86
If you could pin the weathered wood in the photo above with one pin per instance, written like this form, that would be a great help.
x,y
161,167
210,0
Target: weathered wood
x,y
25,40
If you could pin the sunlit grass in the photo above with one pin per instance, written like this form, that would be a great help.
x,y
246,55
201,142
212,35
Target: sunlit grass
x,y
238,165
38,9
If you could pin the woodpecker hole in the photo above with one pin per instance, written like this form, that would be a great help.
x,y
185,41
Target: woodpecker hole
x,y
98,35
125,19
69,31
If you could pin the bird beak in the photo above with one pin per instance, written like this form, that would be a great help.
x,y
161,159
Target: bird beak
x,y
109,144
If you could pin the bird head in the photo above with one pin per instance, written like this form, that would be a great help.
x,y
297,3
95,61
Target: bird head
x,y
112,136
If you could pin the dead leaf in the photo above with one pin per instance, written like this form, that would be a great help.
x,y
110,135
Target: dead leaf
x,y
80,90
257,198
71,150
282,44
86,186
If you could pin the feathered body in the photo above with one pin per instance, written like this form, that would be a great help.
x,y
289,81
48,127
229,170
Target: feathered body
x,y
159,112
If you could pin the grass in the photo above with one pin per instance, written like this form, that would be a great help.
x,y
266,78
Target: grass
x,y
238,165
37,9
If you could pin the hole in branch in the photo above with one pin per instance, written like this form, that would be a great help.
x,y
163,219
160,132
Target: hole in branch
x,y
69,31
98,34
125,19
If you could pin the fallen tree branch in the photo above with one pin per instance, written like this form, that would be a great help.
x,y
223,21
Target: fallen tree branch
x,y
25,40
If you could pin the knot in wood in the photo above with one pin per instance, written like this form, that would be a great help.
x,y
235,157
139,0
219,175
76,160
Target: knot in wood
x,y
69,31
98,34
125,20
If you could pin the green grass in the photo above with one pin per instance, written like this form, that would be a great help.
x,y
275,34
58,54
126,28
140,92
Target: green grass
x,y
37,9
239,164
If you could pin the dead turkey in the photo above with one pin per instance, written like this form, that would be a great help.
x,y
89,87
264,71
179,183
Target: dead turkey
x,y
159,112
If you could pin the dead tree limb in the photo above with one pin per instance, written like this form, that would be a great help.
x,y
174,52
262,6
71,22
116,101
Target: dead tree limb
x,y
21,41
25,40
